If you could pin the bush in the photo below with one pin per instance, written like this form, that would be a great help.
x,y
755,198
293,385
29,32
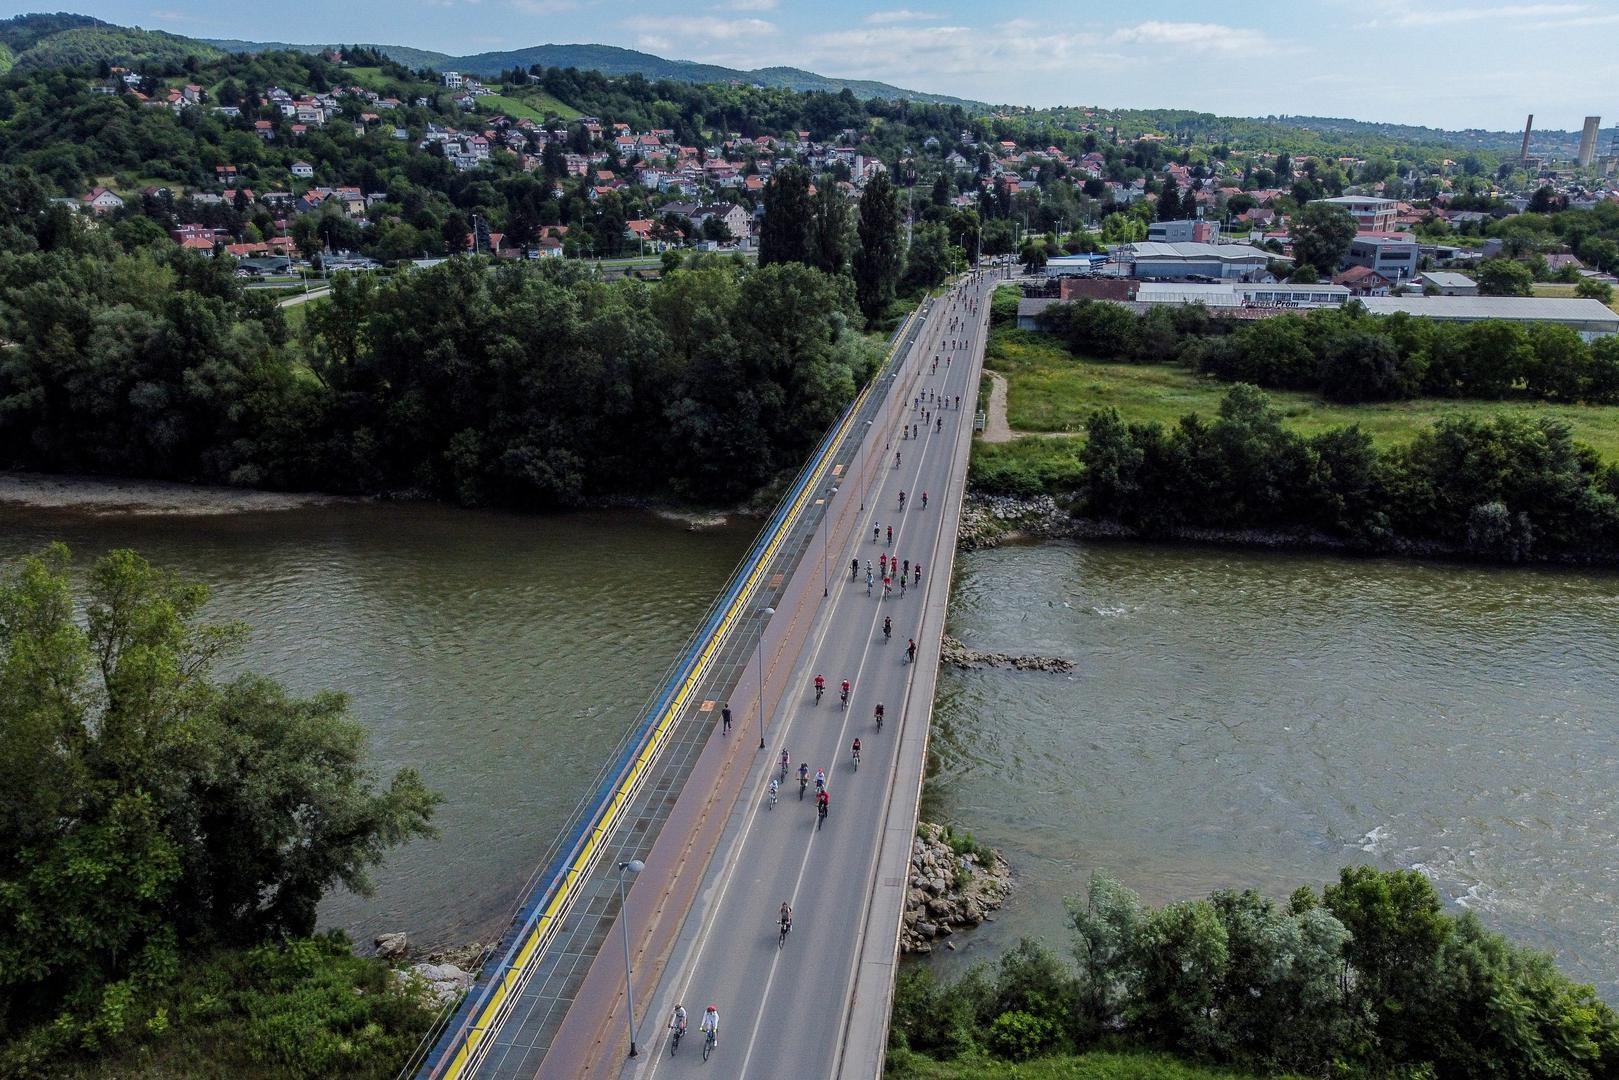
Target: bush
x,y
1019,1036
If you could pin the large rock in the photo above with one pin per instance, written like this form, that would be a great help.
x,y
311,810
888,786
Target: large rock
x,y
391,946
441,983
949,892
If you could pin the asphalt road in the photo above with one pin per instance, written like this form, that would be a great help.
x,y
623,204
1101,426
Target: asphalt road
x,y
783,1010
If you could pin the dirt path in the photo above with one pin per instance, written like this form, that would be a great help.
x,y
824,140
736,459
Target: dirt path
x,y
996,429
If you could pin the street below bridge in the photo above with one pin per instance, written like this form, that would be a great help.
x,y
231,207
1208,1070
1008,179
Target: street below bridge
x,y
817,1004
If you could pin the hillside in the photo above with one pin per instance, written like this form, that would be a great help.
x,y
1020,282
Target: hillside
x,y
611,60
39,42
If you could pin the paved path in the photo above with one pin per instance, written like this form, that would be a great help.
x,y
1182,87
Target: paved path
x,y
996,429
304,298
703,928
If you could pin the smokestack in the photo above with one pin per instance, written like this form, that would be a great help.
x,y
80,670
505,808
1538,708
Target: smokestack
x,y
1523,151
1588,141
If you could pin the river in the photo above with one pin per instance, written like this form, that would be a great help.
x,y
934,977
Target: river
x,y
503,656
1261,719
1236,719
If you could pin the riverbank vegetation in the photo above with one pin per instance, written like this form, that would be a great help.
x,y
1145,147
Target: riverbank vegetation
x,y
1050,390
1366,978
168,834
510,384
1349,356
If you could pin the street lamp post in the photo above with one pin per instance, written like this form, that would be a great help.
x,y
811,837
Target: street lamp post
x,y
764,625
826,543
634,866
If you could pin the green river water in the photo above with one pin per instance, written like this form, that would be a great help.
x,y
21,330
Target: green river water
x,y
1236,719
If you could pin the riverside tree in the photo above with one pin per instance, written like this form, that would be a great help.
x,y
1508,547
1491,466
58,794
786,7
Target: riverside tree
x,y
151,809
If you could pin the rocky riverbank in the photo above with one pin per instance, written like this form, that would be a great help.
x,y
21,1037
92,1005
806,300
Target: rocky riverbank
x,y
440,974
956,654
949,892
112,495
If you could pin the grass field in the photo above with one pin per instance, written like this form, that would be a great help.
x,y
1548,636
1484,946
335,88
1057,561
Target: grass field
x,y
1093,1066
537,106
1558,288
1049,390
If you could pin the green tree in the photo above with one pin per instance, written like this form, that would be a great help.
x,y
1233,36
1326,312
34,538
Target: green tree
x,y
1592,289
1504,277
151,808
932,257
1321,236
784,235
829,230
878,261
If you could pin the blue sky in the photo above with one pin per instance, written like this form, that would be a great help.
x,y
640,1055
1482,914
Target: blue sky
x,y
1446,63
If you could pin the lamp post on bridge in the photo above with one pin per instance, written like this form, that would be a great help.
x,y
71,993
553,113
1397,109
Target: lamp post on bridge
x,y
826,544
764,626
865,450
634,866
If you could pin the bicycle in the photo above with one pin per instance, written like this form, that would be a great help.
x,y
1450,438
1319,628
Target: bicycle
x,y
674,1040
821,817
773,792
786,928
709,1039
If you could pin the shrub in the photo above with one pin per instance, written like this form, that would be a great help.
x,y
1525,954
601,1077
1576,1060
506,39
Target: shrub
x,y
1019,1036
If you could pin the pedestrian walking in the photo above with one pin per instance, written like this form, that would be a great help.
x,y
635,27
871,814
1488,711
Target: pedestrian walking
x,y
725,719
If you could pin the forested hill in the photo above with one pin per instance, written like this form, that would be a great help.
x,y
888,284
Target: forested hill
x,y
43,42
611,60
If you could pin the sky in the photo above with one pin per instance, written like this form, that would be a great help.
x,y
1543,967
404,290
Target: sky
x,y
1442,63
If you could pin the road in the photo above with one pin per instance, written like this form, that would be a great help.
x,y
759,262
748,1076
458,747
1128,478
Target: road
x,y
788,1009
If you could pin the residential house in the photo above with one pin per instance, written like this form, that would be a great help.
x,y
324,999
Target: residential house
x,y
303,170
101,201
1446,283
1363,281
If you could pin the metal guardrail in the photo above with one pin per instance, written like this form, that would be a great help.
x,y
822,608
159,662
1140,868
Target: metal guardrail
x,y
550,894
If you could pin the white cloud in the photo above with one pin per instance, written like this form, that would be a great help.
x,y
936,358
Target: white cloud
x,y
899,15
1194,36
660,29
1523,16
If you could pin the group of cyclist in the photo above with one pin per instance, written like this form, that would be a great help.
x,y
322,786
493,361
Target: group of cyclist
x,y
905,570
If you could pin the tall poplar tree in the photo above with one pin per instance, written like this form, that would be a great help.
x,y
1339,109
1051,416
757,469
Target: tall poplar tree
x,y
784,236
877,263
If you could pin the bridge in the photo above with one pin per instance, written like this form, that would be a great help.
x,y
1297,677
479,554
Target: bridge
x,y
675,865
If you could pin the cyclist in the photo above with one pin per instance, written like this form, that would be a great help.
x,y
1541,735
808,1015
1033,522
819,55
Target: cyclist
x,y
902,500
820,782
868,581
854,564
820,688
902,587
876,531
896,459
925,494
891,536
677,1022
857,750
910,651
905,568
711,1023
786,917
845,693
803,777
888,587
877,714
882,562
939,427
888,628
786,760
823,802
918,569
775,788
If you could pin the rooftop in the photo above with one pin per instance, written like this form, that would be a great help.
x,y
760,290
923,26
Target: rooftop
x,y
1447,279
1510,308
1153,249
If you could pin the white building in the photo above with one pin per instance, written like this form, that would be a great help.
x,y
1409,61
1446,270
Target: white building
x,y
1371,214
1589,318
1190,262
